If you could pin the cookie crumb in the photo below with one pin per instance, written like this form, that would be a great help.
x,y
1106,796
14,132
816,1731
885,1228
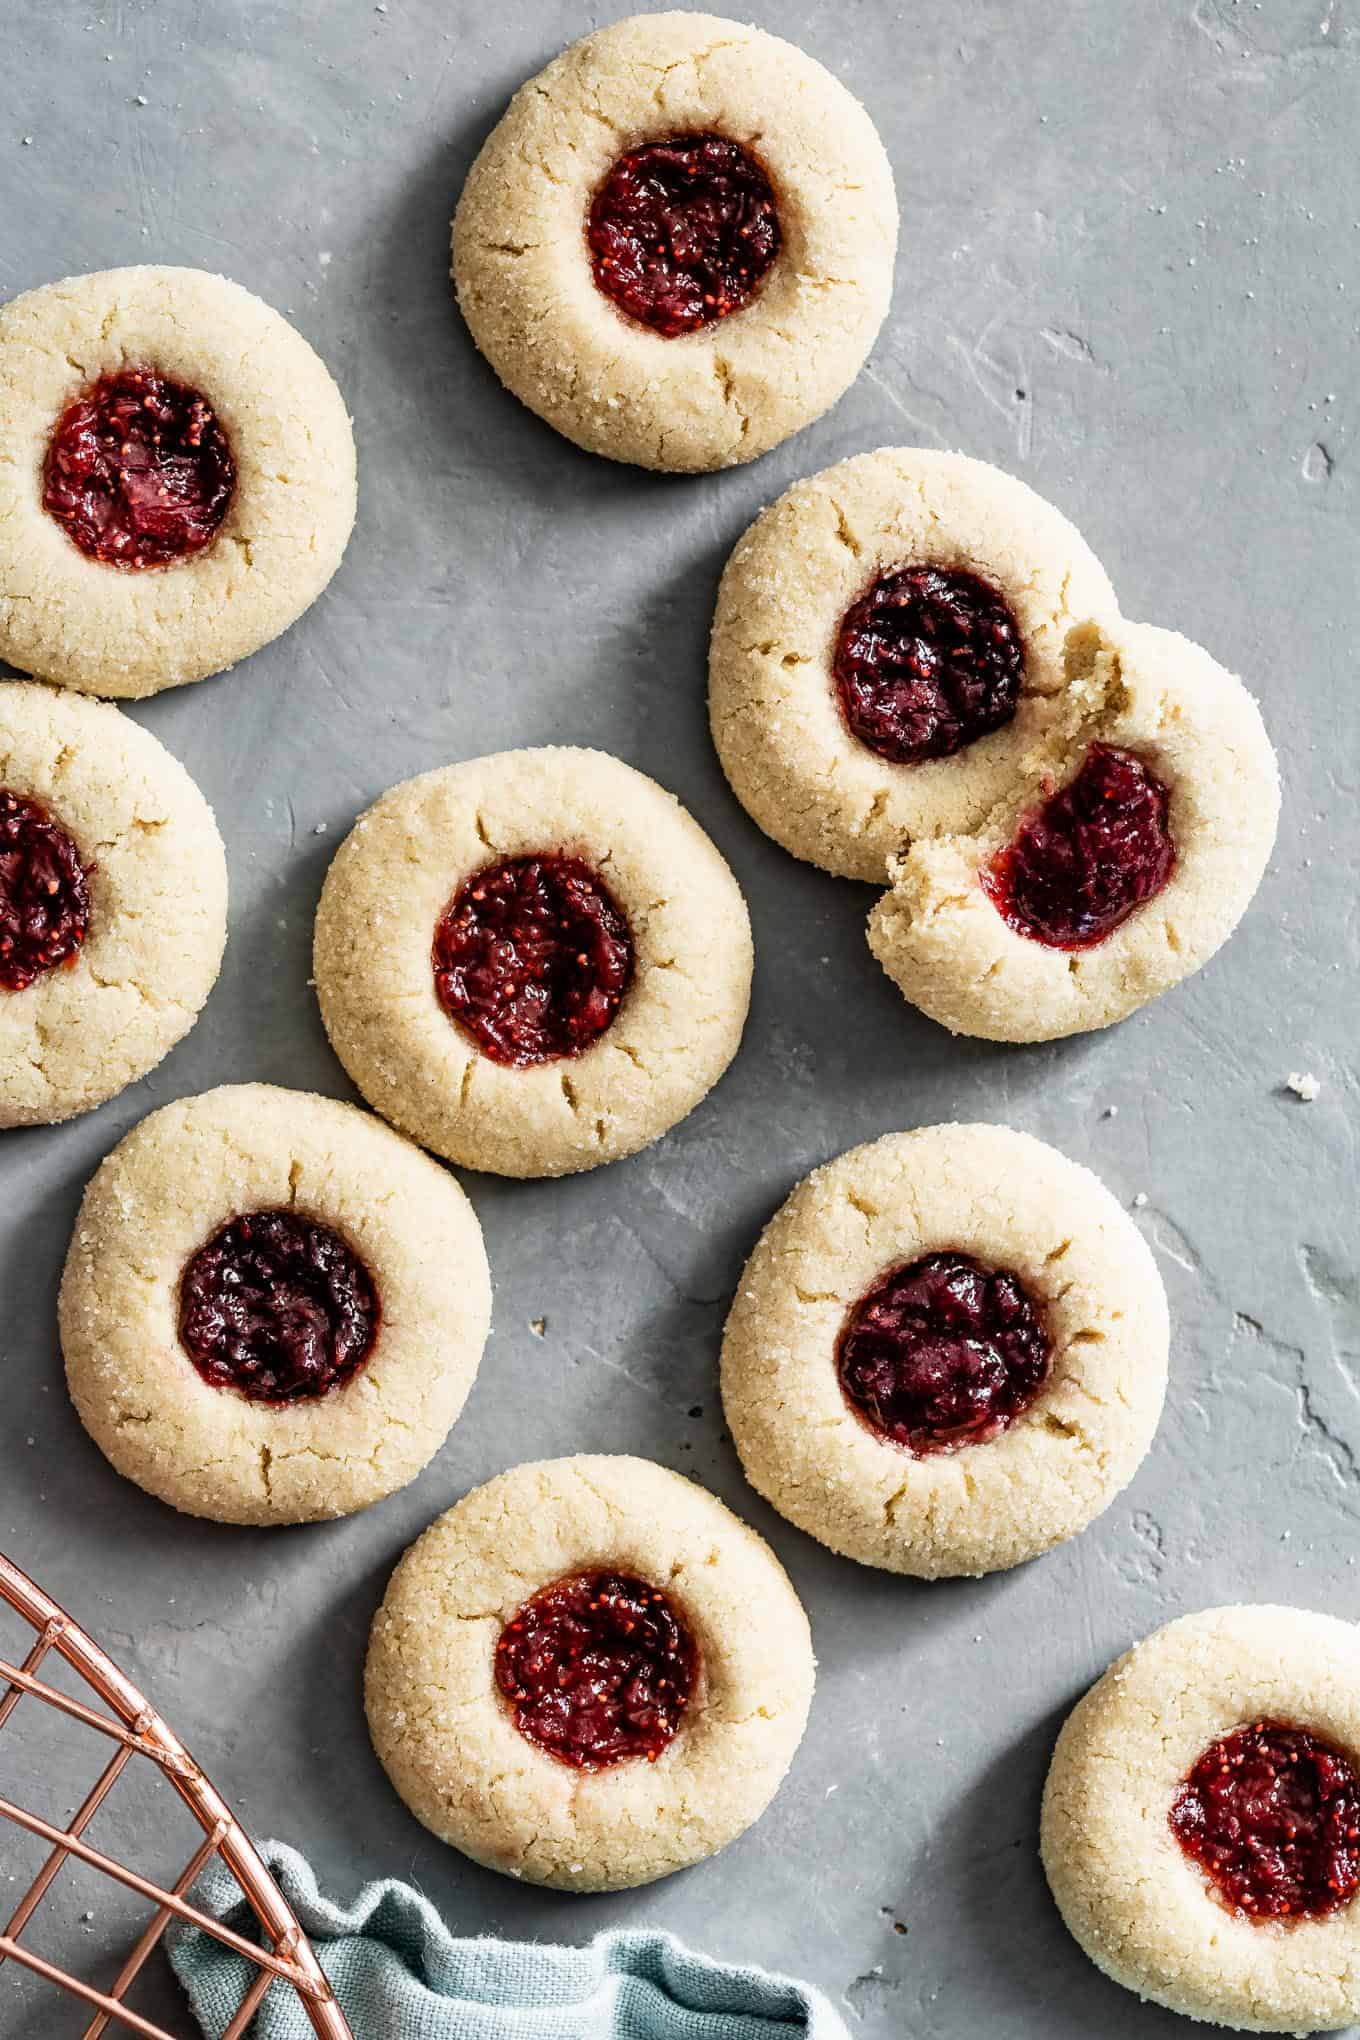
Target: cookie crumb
x,y
1303,1084
538,1326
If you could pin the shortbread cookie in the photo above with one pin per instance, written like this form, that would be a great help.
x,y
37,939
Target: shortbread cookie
x,y
273,1306
113,903
677,245
1201,1822
1126,854
947,1353
178,480
888,648
588,1674
532,963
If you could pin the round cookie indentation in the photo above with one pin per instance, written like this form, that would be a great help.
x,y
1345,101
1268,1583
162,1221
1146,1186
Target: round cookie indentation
x,y
1236,1730
277,1307
597,1668
928,660
943,1353
44,893
1090,856
178,483
682,231
888,654
675,1785
138,471
334,1286
113,902
1003,1330
641,1034
1272,1815
676,245
533,957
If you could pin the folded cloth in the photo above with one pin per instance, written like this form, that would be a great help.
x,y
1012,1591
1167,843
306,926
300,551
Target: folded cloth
x,y
399,1974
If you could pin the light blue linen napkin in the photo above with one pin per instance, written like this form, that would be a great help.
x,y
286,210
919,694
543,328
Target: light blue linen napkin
x,y
399,1974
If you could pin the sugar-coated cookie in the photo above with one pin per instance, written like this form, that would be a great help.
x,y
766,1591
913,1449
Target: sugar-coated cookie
x,y
888,648
113,903
1128,850
178,482
588,1674
677,245
532,963
947,1353
1201,1821
273,1306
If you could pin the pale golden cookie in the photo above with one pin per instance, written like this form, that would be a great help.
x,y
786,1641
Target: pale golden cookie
x,y
720,392
779,725
1150,695
1145,1910
117,630
447,1730
351,1191
149,879
976,1504
423,848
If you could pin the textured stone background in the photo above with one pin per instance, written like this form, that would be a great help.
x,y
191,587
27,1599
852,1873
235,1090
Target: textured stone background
x,y
1130,270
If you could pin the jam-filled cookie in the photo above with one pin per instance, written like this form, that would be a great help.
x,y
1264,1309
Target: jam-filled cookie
x,y
588,1674
273,1306
178,480
532,963
113,903
888,648
1201,1822
947,1353
1126,854
677,245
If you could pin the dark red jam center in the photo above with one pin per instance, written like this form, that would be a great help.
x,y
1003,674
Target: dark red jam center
x,y
139,472
533,957
278,1308
597,1668
1089,857
943,1353
682,231
927,661
1273,1815
44,893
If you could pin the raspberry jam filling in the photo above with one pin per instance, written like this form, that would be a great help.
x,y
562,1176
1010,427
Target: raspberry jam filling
x,y
44,893
681,232
1272,1814
278,1308
943,1353
139,472
533,956
1096,851
927,661
597,1668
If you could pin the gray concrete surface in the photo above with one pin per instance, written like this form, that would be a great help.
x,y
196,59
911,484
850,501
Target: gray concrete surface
x,y
1130,270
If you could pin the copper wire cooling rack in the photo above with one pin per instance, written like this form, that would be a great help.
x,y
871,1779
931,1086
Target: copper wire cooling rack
x,y
283,1959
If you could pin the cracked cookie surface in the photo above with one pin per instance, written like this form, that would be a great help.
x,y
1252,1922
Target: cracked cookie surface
x,y
1142,1906
1019,1210
381,974
130,618
834,548
780,326
943,933
166,1193
447,1734
148,873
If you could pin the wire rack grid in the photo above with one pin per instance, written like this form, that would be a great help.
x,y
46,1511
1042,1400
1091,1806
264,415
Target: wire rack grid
x,y
282,1959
